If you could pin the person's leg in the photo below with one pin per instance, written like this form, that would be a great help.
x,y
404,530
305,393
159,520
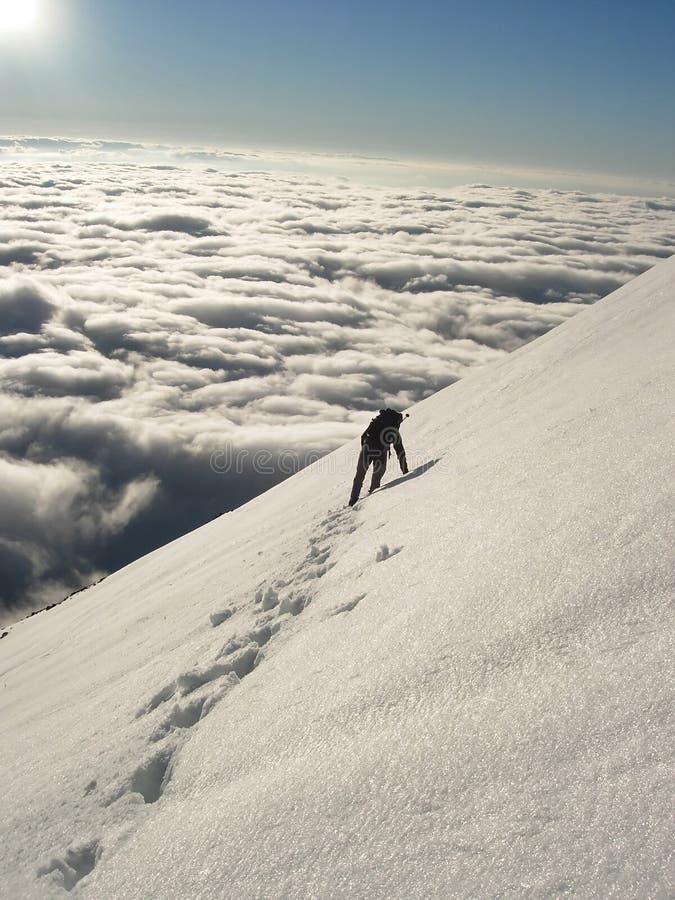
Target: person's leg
x,y
361,469
379,468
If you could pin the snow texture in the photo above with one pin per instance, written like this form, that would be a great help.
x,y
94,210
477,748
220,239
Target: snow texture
x,y
461,687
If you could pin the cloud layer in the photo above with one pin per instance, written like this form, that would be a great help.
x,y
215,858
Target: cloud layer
x,y
153,316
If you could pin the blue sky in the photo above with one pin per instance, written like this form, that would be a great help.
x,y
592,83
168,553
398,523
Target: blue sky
x,y
571,86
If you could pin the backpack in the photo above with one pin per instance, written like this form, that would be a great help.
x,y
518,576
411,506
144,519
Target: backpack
x,y
383,429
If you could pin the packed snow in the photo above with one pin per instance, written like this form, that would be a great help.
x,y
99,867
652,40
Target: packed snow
x,y
461,687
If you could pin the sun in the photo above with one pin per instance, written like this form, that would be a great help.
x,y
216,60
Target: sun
x,y
18,15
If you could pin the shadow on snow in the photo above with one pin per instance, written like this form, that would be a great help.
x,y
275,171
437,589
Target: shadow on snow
x,y
420,470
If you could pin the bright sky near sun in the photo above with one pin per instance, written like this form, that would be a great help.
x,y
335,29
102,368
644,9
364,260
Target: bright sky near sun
x,y
574,85
18,15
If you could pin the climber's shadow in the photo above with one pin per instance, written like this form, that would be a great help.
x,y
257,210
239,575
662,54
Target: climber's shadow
x,y
420,470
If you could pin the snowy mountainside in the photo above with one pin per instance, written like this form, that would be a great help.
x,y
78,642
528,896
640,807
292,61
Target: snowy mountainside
x,y
458,688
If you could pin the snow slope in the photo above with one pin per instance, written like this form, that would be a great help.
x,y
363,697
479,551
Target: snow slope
x,y
460,688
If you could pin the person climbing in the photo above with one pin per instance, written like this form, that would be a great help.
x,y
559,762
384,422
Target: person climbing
x,y
376,442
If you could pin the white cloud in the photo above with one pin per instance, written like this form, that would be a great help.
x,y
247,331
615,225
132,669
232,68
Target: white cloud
x,y
25,306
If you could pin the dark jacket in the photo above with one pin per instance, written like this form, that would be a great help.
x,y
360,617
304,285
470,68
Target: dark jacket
x,y
382,434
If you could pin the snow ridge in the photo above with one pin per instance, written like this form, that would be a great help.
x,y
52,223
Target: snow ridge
x,y
454,689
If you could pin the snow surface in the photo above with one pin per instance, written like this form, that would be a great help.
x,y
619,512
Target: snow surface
x,y
460,688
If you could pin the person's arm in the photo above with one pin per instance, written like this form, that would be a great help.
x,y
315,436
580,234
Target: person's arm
x,y
400,452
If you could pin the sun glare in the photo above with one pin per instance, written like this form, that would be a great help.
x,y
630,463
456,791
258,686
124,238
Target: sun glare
x,y
18,15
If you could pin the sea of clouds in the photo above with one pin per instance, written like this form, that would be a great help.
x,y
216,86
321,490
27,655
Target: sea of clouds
x,y
175,338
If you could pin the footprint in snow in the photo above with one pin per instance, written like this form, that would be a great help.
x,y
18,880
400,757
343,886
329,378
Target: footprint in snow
x,y
385,553
217,618
78,861
149,779
332,517
268,597
294,603
162,695
240,664
346,607
259,635
235,660
181,716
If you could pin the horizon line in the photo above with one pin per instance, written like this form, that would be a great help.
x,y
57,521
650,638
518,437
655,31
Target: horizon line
x,y
422,169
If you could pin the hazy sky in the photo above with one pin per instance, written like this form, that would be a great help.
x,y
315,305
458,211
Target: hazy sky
x,y
574,85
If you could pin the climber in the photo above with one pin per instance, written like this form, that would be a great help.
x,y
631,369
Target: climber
x,y
376,442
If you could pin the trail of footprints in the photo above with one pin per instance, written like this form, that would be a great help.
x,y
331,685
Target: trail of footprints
x,y
78,860
196,691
